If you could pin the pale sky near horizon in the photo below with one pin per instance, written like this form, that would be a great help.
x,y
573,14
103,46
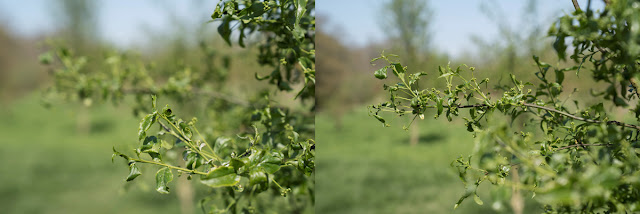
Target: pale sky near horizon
x,y
123,23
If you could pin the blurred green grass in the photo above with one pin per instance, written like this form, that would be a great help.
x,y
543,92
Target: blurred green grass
x,y
49,168
367,168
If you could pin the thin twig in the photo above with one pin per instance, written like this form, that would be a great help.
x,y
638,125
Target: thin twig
x,y
576,5
218,95
164,127
632,80
197,92
584,145
610,122
170,166
613,122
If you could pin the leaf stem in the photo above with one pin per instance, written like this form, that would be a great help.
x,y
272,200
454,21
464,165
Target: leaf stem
x,y
207,144
186,140
169,166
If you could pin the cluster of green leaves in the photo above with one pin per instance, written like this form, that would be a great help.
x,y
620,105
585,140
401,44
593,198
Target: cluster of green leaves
x,y
120,74
274,150
252,162
288,28
569,157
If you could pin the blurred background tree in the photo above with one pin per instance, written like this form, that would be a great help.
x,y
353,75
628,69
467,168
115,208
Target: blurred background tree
x,y
407,23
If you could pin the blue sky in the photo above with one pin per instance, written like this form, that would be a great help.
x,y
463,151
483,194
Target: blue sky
x,y
454,21
120,22
126,23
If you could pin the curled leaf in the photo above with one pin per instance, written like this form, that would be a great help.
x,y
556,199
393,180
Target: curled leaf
x,y
134,171
381,73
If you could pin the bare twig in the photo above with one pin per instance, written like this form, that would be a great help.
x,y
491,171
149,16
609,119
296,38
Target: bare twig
x,y
635,86
576,5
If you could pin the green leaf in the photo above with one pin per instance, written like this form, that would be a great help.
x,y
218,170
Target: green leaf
x,y
153,102
468,191
217,13
116,153
542,65
379,118
560,47
151,145
559,76
301,8
225,29
46,58
257,177
256,9
163,177
166,145
241,39
476,198
513,79
445,75
261,78
381,73
134,171
193,160
166,112
440,106
146,122
270,164
398,70
220,177
544,126
185,129
238,164
221,144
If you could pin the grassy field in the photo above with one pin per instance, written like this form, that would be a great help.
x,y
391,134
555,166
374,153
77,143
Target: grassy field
x,y
366,168
49,168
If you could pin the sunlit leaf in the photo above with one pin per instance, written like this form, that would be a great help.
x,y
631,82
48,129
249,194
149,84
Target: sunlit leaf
x,y
163,177
134,171
220,177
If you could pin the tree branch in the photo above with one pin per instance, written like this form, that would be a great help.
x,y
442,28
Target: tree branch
x,y
218,95
576,5
197,92
613,122
610,122
170,166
